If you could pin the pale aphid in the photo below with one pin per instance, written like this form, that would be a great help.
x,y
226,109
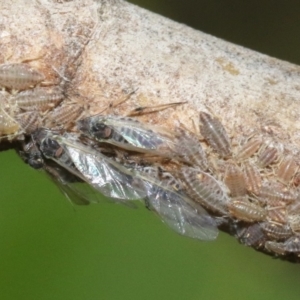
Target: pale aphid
x,y
287,169
215,134
234,179
65,114
39,98
267,156
28,121
246,211
204,189
18,76
275,231
249,149
275,247
252,178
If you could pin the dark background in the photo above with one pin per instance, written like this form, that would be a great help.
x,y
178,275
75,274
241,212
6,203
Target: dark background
x,y
52,250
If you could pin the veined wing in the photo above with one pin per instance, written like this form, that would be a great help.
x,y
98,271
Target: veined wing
x,y
128,133
173,207
77,191
104,174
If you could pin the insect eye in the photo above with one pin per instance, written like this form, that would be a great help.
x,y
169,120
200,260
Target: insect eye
x,y
101,131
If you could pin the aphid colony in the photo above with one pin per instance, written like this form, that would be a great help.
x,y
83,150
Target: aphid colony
x,y
250,192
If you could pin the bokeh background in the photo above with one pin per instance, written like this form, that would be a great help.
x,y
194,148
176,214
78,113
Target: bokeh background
x,y
50,249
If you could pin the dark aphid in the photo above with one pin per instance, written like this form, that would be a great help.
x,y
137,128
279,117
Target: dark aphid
x,y
253,236
204,189
18,76
104,174
39,98
215,134
292,245
31,155
132,135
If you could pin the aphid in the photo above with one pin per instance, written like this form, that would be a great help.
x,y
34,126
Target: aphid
x,y
275,231
246,211
8,126
252,178
166,197
104,174
204,189
273,193
253,236
31,155
276,214
19,76
214,133
70,185
287,169
191,149
39,98
294,222
275,247
296,180
267,156
132,135
28,121
235,181
64,114
292,245
249,149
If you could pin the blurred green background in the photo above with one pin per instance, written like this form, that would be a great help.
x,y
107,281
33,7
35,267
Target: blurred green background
x,y
52,250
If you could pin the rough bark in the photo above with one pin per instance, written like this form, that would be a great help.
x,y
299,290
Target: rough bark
x,y
130,48
103,50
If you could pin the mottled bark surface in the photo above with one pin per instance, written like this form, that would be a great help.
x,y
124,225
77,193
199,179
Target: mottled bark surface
x,y
100,51
109,48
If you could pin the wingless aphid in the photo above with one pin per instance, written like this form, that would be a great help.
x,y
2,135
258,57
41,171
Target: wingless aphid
x,y
18,76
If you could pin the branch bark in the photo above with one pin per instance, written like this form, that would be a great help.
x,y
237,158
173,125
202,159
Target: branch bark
x,y
116,47
105,49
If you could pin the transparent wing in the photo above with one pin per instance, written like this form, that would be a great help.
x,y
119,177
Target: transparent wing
x,y
105,175
128,133
174,210
77,191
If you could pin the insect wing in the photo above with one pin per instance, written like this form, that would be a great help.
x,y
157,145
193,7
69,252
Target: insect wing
x,y
105,175
129,133
174,210
76,191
